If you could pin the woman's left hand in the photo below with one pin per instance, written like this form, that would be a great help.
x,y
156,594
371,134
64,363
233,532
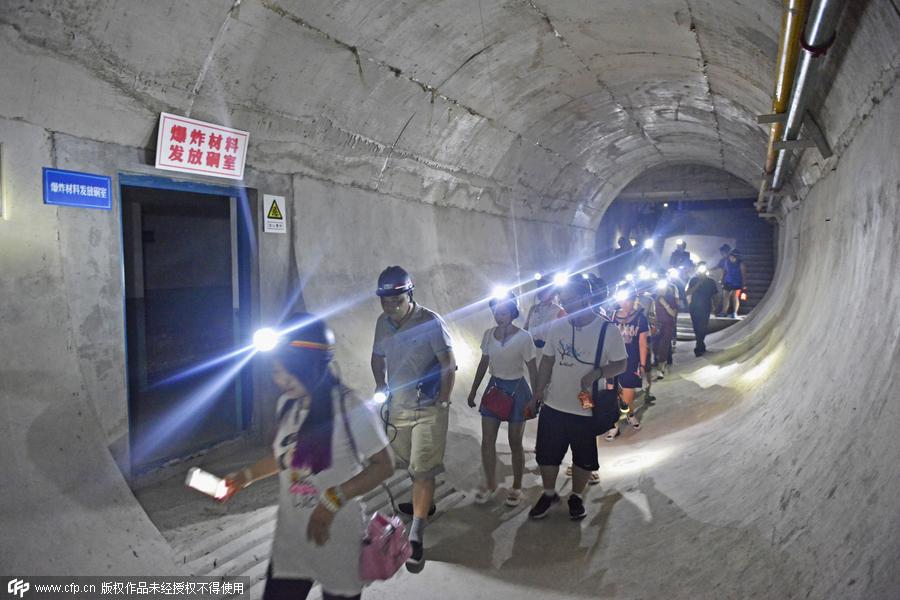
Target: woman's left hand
x,y
319,525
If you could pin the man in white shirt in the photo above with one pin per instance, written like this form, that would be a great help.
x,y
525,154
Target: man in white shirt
x,y
567,363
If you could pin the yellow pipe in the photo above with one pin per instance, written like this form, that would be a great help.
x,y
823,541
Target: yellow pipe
x,y
788,51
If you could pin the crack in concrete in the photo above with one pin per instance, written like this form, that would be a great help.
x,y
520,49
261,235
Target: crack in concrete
x,y
217,41
274,7
603,85
704,69
113,75
465,62
391,151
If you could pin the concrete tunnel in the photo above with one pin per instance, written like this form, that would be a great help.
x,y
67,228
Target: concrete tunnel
x,y
473,143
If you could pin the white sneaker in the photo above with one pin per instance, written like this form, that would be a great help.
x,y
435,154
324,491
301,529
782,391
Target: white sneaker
x,y
633,421
612,433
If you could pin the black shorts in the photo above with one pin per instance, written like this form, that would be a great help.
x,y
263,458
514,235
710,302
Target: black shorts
x,y
558,431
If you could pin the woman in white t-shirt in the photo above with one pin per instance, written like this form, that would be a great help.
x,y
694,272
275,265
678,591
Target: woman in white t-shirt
x,y
321,523
506,350
543,312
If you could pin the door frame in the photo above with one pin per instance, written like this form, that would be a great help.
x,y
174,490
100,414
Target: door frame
x,y
245,231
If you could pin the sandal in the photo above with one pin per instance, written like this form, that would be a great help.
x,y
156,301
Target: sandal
x,y
513,497
595,478
569,471
483,495
612,433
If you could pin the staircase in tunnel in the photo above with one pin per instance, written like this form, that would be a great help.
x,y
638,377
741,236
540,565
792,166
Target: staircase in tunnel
x,y
757,245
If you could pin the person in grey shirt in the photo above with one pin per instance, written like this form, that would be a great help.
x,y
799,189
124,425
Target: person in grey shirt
x,y
413,364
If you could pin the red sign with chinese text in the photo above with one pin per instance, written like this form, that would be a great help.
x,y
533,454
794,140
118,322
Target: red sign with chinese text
x,y
192,146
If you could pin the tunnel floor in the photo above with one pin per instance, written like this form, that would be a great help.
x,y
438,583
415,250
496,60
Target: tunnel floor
x,y
646,533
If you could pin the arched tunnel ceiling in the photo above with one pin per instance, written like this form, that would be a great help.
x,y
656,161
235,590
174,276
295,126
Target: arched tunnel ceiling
x,y
556,104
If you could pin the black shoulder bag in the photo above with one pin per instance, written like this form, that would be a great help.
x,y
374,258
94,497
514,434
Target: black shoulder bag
x,y
605,413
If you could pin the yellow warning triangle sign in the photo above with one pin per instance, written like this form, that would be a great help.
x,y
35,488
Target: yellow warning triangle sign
x,y
274,211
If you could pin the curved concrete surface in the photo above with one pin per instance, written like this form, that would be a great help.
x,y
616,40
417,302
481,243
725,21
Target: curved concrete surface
x,y
470,142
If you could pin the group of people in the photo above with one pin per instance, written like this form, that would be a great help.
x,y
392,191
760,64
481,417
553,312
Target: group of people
x,y
331,447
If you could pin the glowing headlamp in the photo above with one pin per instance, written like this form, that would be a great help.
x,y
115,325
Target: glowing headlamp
x,y
645,275
538,276
661,285
379,398
642,268
702,269
265,339
621,296
648,243
560,279
679,242
500,293
629,278
673,272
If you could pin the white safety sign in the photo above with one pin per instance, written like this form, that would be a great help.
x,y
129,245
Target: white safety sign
x,y
192,146
275,214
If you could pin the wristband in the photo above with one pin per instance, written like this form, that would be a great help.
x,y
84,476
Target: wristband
x,y
339,494
330,500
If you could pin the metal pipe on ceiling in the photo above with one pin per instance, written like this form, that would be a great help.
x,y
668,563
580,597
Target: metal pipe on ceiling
x,y
819,34
792,20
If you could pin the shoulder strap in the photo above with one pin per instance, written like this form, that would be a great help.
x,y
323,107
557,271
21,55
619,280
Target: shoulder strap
x,y
595,388
349,431
343,392
600,341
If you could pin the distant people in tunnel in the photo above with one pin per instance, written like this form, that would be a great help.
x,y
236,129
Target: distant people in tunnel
x,y
666,298
506,351
599,294
622,260
413,364
544,311
635,330
680,261
567,364
701,290
328,451
734,283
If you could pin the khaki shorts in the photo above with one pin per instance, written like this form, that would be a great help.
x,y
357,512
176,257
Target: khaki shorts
x,y
421,436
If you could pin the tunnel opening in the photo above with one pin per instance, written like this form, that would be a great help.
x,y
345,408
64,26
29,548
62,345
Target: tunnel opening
x,y
707,213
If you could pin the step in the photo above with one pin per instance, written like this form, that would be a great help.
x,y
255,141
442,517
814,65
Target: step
x,y
252,557
212,561
228,534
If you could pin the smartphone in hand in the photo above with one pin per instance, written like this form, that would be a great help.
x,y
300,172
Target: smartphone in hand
x,y
207,483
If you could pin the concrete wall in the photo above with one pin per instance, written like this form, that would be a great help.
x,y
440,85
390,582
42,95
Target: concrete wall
x,y
415,134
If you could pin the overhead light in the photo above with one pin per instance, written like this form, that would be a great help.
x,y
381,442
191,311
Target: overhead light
x,y
265,339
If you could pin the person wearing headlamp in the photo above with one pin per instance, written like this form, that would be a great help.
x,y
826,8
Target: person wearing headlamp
x,y
509,354
413,364
565,421
635,329
328,451
701,290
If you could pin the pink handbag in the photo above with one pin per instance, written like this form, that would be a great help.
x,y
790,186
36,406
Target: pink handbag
x,y
385,548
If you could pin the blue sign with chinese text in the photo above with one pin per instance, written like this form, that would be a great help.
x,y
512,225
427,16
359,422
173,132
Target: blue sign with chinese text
x,y
70,188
